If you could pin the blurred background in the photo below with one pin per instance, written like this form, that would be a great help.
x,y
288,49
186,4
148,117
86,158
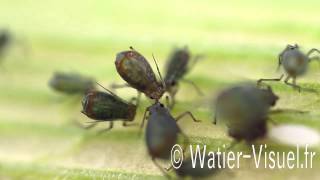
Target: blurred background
x,y
240,40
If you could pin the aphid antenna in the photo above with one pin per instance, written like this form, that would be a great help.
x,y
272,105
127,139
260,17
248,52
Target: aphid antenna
x,y
109,91
162,81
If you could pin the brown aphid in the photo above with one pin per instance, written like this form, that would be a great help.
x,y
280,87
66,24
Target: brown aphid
x,y
137,72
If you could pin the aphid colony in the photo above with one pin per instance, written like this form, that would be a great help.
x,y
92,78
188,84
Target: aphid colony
x,y
244,108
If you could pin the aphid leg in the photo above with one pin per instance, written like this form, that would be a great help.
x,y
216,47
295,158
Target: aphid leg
x,y
317,58
194,85
312,51
145,116
273,79
195,60
168,103
125,124
107,129
215,118
187,113
279,60
293,84
160,168
277,111
118,86
136,100
93,124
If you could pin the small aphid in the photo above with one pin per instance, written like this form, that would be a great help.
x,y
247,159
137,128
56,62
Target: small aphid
x,y
137,72
187,170
107,107
178,65
245,110
162,131
71,83
295,63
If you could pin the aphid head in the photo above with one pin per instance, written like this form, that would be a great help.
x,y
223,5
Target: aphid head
x,y
157,107
86,107
132,112
292,47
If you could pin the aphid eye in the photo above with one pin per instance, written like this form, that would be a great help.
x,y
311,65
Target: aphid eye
x,y
173,83
161,105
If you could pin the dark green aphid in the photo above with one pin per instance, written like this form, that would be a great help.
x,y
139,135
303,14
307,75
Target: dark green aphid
x,y
106,106
162,131
71,83
295,63
245,108
178,65
137,72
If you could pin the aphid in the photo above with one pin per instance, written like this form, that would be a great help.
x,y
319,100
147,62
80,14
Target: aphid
x,y
178,65
5,41
107,107
162,131
295,63
71,83
137,72
245,110
187,170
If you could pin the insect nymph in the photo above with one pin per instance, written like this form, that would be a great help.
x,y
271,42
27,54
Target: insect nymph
x,y
71,83
245,110
295,64
137,72
178,65
107,107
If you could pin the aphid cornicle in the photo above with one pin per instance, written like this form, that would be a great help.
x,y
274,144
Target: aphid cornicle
x,y
245,110
107,107
187,170
162,131
178,65
71,83
295,64
137,72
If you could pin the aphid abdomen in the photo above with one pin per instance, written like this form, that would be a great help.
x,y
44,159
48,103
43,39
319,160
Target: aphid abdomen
x,y
295,62
105,107
250,131
135,69
161,134
177,66
71,83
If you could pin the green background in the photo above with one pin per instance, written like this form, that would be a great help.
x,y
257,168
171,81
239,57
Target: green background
x,y
240,39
